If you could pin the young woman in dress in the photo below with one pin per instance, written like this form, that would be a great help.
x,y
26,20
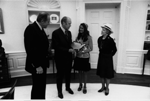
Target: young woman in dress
x,y
81,62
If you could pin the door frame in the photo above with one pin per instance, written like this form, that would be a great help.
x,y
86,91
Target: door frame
x,y
123,21
115,9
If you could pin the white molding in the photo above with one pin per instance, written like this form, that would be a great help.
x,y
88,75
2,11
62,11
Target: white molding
x,y
34,9
16,64
133,50
13,52
134,62
120,69
93,65
133,58
130,70
102,1
43,4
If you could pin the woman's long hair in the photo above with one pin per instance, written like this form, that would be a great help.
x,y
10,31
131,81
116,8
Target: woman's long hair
x,y
85,34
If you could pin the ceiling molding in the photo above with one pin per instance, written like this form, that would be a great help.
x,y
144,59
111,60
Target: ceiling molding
x,y
43,4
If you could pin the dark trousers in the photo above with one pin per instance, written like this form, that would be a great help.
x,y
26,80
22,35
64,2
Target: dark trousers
x,y
63,65
38,86
60,76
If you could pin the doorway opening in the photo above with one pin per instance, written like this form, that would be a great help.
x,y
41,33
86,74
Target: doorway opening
x,y
96,15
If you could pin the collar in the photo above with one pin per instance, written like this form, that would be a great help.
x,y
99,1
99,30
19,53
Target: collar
x,y
39,25
62,29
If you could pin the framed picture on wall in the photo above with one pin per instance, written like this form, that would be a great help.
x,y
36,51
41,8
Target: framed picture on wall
x,y
54,16
1,22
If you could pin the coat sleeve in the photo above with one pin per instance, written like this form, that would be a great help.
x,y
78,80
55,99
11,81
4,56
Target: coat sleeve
x,y
98,42
114,48
32,47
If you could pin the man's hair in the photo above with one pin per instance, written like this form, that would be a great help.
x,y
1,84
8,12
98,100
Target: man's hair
x,y
43,16
64,19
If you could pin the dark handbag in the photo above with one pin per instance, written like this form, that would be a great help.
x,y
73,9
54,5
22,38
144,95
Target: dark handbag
x,y
148,55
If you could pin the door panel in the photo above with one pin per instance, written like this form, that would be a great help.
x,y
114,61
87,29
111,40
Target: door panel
x,y
95,18
108,16
94,32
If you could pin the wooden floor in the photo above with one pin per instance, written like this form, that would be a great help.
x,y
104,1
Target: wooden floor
x,y
131,79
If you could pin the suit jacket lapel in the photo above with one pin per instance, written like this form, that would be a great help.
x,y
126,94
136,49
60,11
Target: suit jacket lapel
x,y
41,32
63,35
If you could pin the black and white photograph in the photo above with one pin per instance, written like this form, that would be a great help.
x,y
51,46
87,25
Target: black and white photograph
x,y
75,50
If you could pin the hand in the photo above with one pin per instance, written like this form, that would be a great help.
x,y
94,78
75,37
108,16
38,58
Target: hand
x,y
80,52
74,54
39,70
53,52
72,51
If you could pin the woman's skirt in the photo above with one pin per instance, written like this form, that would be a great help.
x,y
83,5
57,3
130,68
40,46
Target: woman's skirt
x,y
81,64
105,66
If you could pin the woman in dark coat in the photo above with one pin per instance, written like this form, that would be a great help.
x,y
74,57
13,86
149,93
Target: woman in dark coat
x,y
107,49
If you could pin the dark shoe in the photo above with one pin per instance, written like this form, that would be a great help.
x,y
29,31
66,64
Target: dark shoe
x,y
60,95
102,89
106,92
69,91
84,90
80,87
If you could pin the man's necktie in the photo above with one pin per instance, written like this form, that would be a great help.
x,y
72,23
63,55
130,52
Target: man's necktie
x,y
66,34
43,30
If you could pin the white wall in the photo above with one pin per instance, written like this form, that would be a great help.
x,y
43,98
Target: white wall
x,y
15,21
137,23
68,8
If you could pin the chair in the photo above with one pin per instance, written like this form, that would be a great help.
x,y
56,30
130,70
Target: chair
x,y
10,93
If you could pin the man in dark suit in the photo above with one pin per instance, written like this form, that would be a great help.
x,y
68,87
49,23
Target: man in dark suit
x,y
36,46
61,43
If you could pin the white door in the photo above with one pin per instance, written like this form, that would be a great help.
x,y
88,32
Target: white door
x,y
95,18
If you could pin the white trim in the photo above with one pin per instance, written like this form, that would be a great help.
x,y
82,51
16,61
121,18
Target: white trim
x,y
102,1
15,52
122,22
48,4
34,9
